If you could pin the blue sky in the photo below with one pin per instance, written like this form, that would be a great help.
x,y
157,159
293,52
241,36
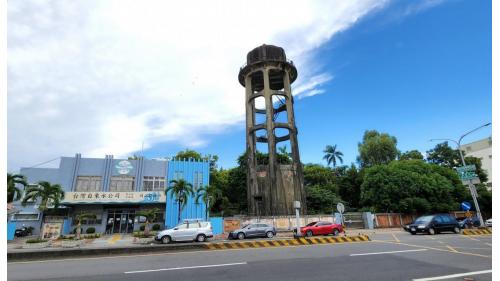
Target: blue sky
x,y
109,77
420,76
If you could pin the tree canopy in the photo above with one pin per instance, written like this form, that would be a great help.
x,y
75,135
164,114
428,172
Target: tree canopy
x,y
377,148
411,186
411,155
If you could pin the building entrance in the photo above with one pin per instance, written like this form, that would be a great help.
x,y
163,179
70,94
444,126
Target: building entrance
x,y
120,221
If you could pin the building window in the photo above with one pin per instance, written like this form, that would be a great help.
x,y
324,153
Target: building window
x,y
153,183
88,183
198,180
25,217
121,183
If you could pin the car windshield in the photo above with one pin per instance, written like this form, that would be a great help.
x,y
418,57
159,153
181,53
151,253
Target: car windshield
x,y
311,224
424,219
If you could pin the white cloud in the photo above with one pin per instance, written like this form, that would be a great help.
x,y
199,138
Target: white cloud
x,y
99,77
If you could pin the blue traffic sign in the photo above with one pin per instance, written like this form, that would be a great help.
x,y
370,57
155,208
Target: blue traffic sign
x,y
465,206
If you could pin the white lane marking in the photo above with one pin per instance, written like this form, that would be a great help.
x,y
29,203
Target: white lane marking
x,y
391,252
186,267
454,275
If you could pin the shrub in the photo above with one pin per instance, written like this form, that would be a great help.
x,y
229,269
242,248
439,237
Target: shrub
x,y
142,227
36,240
90,230
156,227
92,236
140,234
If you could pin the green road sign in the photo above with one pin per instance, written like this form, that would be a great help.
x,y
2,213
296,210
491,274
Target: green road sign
x,y
467,172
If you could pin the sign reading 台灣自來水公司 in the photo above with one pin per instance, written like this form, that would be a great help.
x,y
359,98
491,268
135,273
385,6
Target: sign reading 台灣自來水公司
x,y
113,197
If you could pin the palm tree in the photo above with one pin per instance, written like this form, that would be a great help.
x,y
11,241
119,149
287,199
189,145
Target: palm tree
x,y
79,219
332,154
209,194
150,216
180,189
13,192
48,194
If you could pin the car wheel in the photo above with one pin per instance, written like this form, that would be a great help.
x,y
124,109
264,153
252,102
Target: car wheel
x,y
309,233
269,234
456,229
432,231
201,238
166,239
335,232
241,235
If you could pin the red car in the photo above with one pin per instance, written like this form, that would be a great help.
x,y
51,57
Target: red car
x,y
321,228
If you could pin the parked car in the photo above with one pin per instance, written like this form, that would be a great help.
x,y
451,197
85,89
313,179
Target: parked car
x,y
488,223
23,231
433,224
468,222
321,228
189,230
253,230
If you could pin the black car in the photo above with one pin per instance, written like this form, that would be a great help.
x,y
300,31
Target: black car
x,y
433,224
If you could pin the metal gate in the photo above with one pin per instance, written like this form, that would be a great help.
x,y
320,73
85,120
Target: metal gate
x,y
354,220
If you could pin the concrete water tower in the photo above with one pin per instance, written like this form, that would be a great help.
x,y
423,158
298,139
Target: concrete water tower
x,y
272,184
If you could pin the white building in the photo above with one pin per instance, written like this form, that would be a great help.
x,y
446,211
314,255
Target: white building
x,y
482,150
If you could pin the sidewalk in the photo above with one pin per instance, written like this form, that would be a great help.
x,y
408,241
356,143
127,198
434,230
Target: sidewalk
x,y
127,240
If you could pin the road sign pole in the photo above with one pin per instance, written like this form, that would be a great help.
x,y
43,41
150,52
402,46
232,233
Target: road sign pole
x,y
472,190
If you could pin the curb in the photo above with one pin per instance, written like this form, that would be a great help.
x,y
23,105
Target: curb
x,y
286,242
476,232
66,253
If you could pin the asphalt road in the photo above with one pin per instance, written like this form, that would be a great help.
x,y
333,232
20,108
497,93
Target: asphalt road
x,y
390,256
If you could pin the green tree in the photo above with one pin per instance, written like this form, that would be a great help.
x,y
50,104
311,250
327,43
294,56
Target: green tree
x,y
150,216
349,186
48,194
209,194
189,154
332,154
284,156
411,155
411,186
79,219
377,148
320,176
320,200
442,154
133,157
13,192
180,190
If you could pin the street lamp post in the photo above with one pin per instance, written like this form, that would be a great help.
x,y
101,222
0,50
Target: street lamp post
x,y
472,188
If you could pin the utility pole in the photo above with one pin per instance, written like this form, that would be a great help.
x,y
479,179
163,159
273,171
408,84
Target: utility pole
x,y
472,188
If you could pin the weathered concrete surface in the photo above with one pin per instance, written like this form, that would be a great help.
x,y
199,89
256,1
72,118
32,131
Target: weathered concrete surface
x,y
271,187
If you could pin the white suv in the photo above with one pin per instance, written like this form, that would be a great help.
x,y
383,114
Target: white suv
x,y
189,230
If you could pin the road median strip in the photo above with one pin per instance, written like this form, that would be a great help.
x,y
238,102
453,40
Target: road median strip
x,y
285,242
476,232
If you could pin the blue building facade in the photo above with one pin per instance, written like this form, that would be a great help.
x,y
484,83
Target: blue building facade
x,y
114,190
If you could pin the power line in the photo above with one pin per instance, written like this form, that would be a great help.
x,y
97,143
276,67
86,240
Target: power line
x,y
44,162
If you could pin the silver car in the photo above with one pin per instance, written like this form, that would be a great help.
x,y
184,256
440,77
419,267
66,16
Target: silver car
x,y
253,230
189,230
